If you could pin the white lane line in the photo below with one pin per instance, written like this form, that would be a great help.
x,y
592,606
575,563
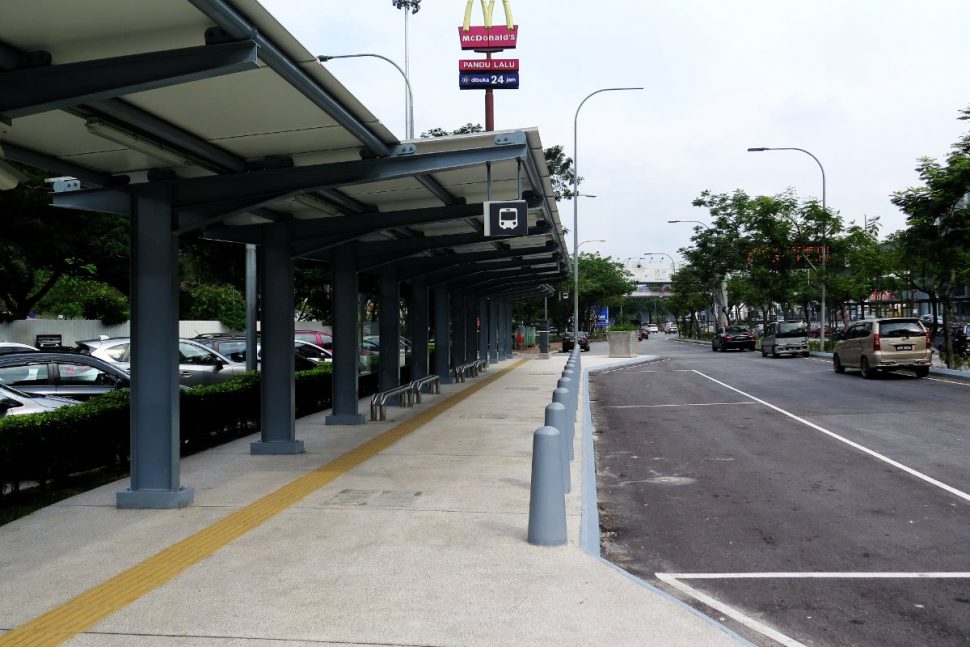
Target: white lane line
x,y
937,379
689,404
669,370
819,575
730,612
886,459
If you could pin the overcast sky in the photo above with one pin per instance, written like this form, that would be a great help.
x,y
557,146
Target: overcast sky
x,y
868,86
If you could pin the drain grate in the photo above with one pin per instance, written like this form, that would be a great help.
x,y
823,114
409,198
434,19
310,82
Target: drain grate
x,y
375,498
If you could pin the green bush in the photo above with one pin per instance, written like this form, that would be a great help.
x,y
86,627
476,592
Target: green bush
x,y
49,447
622,327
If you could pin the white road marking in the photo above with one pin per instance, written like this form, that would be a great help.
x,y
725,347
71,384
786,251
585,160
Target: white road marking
x,y
886,459
689,404
730,612
670,370
937,379
878,575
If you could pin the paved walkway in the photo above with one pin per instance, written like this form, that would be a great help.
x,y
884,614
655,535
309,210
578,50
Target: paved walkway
x,y
407,532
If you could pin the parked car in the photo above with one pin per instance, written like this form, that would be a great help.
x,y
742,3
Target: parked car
x,y
322,339
197,364
785,338
739,337
652,328
13,347
68,375
882,344
14,402
234,347
569,342
670,328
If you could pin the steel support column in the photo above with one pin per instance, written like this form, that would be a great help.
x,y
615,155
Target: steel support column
x,y
442,338
457,328
418,311
155,475
471,328
277,387
483,329
251,304
492,331
507,327
345,339
389,367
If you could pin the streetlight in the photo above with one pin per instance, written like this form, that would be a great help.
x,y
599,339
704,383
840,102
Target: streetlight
x,y
760,149
673,264
722,292
409,6
576,203
409,109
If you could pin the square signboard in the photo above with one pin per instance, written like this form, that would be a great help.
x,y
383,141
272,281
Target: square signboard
x,y
508,218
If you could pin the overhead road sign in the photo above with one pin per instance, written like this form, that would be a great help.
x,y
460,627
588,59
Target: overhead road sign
x,y
485,80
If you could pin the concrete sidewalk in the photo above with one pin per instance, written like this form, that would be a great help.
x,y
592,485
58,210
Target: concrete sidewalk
x,y
422,543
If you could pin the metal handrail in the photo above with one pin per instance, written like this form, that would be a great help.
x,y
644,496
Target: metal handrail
x,y
432,381
378,402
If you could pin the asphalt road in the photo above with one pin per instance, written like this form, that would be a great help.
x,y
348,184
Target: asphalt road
x,y
802,506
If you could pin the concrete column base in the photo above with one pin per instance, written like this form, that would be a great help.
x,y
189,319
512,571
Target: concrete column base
x,y
155,499
544,356
276,447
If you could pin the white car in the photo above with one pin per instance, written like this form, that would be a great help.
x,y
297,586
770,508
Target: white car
x,y
652,328
14,347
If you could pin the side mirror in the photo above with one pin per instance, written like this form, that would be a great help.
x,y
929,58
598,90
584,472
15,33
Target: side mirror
x,y
9,403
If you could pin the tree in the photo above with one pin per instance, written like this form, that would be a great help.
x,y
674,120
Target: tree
x,y
42,244
690,294
935,246
602,282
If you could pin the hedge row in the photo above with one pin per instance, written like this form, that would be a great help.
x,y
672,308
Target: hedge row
x,y
47,447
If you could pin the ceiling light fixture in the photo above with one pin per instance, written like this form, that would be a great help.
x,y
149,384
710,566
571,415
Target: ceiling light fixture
x,y
137,142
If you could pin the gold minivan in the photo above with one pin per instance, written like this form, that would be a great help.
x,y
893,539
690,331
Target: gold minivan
x,y
887,343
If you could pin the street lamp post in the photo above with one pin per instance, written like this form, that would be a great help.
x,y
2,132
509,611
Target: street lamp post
x,y
722,290
409,7
760,149
576,203
409,109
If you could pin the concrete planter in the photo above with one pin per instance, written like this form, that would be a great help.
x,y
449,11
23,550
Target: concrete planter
x,y
621,343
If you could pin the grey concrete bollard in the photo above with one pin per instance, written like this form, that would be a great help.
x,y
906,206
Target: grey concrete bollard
x,y
556,417
561,396
547,504
568,383
573,375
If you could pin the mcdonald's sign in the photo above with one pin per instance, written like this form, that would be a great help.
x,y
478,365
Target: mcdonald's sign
x,y
487,38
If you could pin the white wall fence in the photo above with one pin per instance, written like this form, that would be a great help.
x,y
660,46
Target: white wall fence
x,y
26,331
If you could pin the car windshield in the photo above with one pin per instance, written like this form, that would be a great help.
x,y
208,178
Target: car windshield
x,y
791,329
901,328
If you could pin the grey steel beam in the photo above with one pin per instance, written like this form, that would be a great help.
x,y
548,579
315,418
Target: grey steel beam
x,y
321,234
110,200
457,328
346,340
155,463
376,254
194,218
442,334
418,312
224,15
482,328
478,269
471,327
389,372
40,89
276,385
257,185
492,331
467,282
425,266
47,162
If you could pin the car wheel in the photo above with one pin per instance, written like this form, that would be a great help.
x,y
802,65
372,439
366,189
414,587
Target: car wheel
x,y
764,351
867,371
837,364
921,371
805,353
774,352
713,347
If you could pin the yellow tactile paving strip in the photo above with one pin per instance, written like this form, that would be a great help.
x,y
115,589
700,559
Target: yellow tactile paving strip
x,y
87,609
